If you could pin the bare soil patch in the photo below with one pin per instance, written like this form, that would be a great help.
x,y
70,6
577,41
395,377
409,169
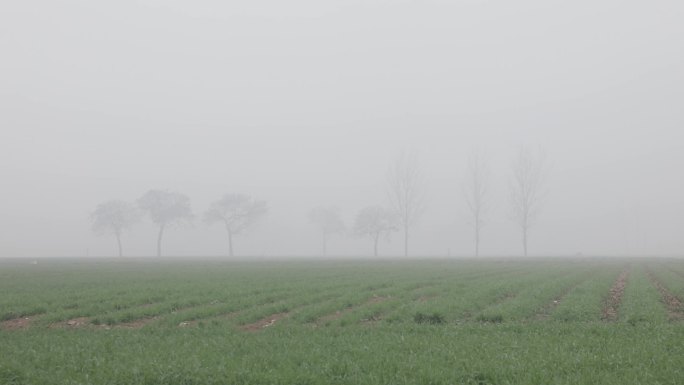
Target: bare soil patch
x,y
612,303
674,305
73,323
20,323
264,322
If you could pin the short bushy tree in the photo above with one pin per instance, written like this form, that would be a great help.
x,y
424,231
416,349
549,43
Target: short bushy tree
x,y
237,212
165,208
375,222
113,217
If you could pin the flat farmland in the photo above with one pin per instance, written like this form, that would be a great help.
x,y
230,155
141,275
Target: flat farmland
x,y
460,321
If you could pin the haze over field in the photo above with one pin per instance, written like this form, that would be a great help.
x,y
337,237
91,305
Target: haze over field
x,y
308,103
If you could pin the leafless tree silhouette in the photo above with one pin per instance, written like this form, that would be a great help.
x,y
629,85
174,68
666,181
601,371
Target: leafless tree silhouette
x,y
406,192
328,220
475,192
526,187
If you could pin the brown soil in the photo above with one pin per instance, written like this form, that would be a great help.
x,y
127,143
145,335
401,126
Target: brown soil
x,y
612,304
16,324
264,322
674,304
74,323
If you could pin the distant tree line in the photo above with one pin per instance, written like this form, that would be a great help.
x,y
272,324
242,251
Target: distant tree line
x,y
164,208
406,203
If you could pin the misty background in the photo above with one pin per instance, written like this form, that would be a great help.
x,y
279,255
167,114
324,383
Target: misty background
x,y
308,103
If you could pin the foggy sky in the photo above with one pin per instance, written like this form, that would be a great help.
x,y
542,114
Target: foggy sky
x,y
305,103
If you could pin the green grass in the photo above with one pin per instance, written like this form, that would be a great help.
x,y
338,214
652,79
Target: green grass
x,y
531,321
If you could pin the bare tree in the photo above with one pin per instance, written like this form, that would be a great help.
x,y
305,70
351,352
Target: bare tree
x,y
113,217
328,220
237,212
165,208
475,191
375,222
526,187
406,194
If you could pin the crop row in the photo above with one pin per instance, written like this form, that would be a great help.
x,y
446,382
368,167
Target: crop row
x,y
340,293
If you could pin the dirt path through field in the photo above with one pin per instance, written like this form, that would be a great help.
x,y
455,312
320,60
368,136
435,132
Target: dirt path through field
x,y
264,322
675,310
20,323
73,323
612,304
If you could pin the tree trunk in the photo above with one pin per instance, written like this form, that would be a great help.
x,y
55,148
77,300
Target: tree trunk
x,y
525,240
375,245
230,238
406,236
477,240
230,243
324,244
118,242
159,240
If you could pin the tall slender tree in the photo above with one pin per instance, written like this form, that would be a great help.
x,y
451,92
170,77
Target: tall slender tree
x,y
475,192
237,212
526,190
406,192
329,222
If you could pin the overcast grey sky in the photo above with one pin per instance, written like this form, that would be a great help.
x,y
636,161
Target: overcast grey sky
x,y
304,103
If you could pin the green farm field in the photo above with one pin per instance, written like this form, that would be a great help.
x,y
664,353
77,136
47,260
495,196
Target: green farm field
x,y
461,321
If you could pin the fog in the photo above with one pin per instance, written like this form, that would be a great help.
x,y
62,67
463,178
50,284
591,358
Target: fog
x,y
309,103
